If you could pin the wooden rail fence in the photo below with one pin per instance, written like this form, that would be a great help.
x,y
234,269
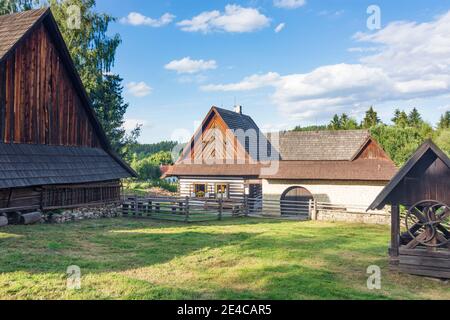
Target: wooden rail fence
x,y
183,209
188,209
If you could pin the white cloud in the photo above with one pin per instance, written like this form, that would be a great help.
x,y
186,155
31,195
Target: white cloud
x,y
289,4
137,19
363,49
130,124
187,65
410,61
138,89
235,19
280,27
250,83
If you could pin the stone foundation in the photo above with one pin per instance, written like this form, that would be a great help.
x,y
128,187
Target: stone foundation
x,y
89,213
356,217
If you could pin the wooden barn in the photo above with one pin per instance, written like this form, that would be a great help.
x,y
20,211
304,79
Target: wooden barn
x,y
53,151
420,198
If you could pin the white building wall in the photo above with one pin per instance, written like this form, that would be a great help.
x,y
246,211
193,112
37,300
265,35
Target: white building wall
x,y
335,192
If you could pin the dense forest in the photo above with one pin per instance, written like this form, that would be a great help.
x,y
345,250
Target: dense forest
x,y
400,138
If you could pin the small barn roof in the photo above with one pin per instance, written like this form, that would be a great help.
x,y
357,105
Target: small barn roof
x,y
327,145
25,165
428,145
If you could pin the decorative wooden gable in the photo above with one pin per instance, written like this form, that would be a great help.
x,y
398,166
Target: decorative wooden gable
x,y
215,143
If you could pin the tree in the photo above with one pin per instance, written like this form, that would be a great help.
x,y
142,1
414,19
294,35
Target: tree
x,y
398,142
348,123
400,118
335,123
311,128
444,122
371,119
414,118
442,139
11,6
146,169
162,158
343,122
110,109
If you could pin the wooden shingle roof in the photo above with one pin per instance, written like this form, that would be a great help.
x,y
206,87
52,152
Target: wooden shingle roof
x,y
339,145
15,26
237,121
25,165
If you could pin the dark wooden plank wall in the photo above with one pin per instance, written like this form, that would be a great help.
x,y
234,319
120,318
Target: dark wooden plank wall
x,y
59,197
38,102
428,180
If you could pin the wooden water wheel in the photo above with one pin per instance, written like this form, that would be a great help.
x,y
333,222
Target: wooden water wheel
x,y
428,223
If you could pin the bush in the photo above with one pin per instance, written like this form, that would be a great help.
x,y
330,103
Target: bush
x,y
147,169
400,143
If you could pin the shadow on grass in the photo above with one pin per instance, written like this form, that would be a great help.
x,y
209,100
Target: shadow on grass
x,y
285,251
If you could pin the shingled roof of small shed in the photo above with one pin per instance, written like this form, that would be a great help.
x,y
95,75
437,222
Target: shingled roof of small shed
x,y
24,165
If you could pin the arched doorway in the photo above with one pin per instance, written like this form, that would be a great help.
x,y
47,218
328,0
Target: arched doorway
x,y
295,201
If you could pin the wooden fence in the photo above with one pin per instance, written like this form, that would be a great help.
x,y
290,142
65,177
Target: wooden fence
x,y
205,209
183,209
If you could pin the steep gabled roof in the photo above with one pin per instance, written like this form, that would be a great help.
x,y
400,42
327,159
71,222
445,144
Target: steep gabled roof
x,y
336,145
237,121
14,28
233,120
403,172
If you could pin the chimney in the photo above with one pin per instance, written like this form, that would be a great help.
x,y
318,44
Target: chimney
x,y
238,109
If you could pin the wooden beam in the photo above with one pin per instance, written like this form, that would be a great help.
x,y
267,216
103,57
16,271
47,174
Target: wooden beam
x,y
395,233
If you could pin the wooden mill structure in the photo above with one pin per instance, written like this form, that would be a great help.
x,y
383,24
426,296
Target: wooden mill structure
x,y
420,198
53,150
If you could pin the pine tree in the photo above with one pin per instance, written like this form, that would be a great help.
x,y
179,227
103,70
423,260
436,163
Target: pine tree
x,y
400,118
414,118
444,122
335,123
371,119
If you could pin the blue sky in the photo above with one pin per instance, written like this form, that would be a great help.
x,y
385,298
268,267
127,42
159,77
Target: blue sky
x,y
179,57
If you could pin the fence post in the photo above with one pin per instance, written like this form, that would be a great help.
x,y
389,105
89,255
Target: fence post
x,y
136,209
186,209
315,210
246,205
311,208
220,207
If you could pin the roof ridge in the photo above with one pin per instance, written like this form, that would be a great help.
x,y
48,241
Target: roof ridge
x,y
30,11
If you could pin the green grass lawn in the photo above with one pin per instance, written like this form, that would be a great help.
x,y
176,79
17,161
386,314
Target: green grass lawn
x,y
232,259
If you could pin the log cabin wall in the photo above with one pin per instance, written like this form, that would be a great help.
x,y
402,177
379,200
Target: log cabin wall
x,y
38,102
59,196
